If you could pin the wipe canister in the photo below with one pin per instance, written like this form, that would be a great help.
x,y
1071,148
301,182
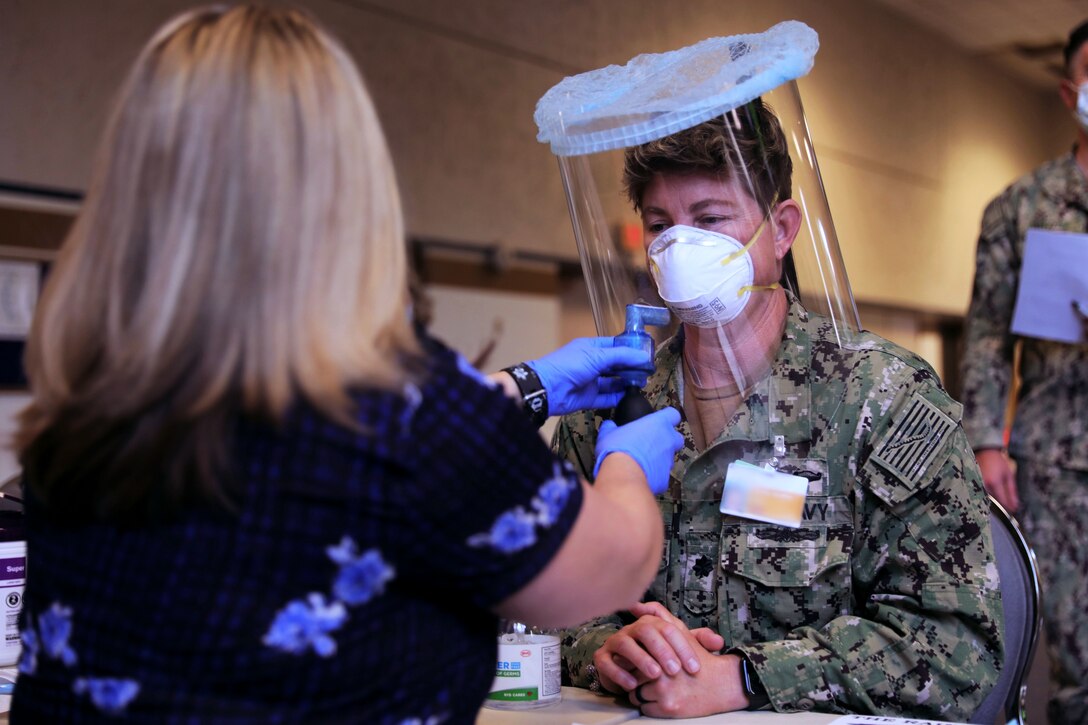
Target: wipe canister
x,y
527,668
12,581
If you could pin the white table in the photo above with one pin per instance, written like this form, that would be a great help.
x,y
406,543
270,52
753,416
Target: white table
x,y
8,673
582,707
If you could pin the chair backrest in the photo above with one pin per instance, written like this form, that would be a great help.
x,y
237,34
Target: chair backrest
x,y
1020,599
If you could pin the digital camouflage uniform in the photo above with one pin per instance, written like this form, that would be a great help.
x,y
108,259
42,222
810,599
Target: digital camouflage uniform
x,y
886,599
1049,438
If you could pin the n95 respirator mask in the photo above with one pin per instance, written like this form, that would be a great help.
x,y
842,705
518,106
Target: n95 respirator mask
x,y
705,278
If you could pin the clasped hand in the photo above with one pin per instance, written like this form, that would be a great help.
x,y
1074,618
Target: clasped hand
x,y
668,670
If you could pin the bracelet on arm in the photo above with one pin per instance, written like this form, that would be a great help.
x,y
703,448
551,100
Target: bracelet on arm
x,y
595,680
533,395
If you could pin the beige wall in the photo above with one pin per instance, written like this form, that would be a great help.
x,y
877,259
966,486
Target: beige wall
x,y
912,134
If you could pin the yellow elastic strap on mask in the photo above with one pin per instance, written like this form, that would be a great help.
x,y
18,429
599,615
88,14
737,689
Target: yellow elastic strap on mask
x,y
759,230
746,247
756,288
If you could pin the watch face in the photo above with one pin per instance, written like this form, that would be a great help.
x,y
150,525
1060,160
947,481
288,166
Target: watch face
x,y
746,677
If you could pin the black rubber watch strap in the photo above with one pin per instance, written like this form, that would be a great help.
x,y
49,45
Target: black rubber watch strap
x,y
753,688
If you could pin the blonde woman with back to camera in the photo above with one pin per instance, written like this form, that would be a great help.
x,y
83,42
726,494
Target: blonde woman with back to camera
x,y
255,494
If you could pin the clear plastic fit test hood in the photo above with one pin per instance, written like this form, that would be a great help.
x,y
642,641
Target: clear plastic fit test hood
x,y
589,119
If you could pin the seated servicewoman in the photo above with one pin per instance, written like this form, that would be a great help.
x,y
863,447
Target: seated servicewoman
x,y
884,600
253,494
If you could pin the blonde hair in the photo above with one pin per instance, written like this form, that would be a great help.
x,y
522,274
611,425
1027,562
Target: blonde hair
x,y
241,245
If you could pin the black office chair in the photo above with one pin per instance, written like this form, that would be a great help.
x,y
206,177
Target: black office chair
x,y
1020,600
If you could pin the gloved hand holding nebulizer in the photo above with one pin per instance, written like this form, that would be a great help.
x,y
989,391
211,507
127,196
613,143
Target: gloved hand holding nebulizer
x,y
633,404
588,373
651,441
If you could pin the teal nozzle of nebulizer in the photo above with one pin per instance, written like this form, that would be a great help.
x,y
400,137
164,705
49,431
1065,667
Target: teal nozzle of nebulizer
x,y
633,404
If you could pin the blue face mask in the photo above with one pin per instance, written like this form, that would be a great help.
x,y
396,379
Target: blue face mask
x,y
1081,112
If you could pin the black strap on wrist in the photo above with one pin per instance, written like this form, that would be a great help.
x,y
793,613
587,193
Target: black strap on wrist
x,y
753,688
534,398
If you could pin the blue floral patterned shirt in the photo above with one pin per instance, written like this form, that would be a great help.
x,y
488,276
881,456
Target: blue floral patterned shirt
x,y
353,584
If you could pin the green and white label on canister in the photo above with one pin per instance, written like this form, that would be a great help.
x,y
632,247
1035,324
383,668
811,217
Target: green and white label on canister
x,y
527,672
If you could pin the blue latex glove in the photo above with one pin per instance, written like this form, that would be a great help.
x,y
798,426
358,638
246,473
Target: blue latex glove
x,y
575,375
651,440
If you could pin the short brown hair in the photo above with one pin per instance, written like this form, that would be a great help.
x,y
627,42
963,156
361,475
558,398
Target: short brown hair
x,y
1078,36
749,136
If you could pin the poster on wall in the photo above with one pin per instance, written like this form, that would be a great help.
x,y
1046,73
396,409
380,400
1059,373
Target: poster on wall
x,y
18,294
34,220
493,329
20,282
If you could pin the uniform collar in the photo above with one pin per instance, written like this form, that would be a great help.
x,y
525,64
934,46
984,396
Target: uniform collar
x,y
1069,187
779,404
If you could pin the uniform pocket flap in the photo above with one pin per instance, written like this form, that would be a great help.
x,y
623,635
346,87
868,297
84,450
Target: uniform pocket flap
x,y
776,556
699,555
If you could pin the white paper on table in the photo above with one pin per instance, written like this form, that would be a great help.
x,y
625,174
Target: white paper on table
x,y
615,720
1054,275
880,720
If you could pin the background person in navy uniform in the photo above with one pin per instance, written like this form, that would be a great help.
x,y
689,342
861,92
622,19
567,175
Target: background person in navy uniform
x,y
1047,489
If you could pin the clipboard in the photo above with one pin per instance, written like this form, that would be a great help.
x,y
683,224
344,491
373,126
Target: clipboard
x,y
1053,278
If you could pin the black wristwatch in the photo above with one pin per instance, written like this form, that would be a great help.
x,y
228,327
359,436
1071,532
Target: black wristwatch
x,y
753,688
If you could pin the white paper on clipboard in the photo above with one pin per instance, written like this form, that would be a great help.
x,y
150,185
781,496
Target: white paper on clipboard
x,y
1054,276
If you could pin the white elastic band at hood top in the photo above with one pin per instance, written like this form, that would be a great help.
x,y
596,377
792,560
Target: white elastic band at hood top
x,y
657,94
